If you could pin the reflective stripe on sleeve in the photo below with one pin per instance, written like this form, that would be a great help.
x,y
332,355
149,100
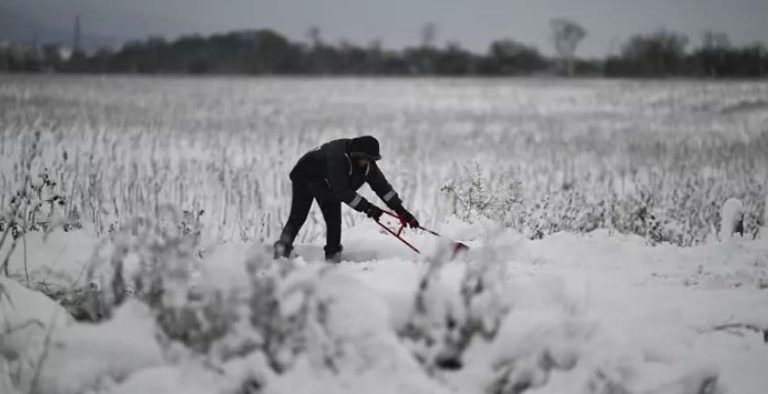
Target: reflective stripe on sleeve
x,y
389,195
355,201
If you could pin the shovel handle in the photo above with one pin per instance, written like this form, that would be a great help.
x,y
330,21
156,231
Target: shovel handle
x,y
397,235
457,245
402,224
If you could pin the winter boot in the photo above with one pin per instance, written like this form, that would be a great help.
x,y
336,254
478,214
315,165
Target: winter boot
x,y
333,254
282,249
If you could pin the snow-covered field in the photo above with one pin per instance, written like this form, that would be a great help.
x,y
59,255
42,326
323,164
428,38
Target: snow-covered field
x,y
574,196
541,156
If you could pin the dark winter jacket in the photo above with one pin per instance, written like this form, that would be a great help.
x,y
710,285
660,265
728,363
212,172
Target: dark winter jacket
x,y
330,173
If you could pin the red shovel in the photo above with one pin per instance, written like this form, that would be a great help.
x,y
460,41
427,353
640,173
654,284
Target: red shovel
x,y
457,246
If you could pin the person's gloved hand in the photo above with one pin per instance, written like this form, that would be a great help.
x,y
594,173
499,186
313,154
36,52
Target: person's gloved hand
x,y
374,212
407,218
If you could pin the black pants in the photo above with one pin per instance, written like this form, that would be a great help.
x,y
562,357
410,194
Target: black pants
x,y
303,194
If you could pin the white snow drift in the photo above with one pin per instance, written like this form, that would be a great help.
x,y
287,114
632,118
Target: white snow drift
x,y
593,313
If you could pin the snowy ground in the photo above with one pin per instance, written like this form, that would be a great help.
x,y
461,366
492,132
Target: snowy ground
x,y
146,163
594,313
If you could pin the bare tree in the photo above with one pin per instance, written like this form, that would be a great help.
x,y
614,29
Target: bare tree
x,y
428,35
715,41
376,45
566,35
315,36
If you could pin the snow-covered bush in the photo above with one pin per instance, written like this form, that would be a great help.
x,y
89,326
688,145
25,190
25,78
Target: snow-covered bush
x,y
36,205
532,346
150,258
457,302
273,310
731,219
476,195
285,311
682,210
763,229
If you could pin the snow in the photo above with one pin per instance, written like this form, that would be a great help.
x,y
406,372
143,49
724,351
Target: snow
x,y
167,379
114,350
27,320
731,215
59,259
599,312
38,335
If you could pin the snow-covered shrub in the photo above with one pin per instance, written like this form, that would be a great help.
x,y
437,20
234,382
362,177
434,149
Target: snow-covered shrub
x,y
476,195
274,311
756,217
283,307
36,205
763,220
731,219
532,346
149,258
457,302
677,208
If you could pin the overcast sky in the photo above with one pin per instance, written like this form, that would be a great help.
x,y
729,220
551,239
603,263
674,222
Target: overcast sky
x,y
473,23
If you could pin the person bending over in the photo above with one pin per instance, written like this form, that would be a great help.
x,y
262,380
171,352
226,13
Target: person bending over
x,y
331,174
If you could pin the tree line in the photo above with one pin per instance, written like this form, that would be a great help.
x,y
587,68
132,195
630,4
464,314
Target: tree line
x,y
661,53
